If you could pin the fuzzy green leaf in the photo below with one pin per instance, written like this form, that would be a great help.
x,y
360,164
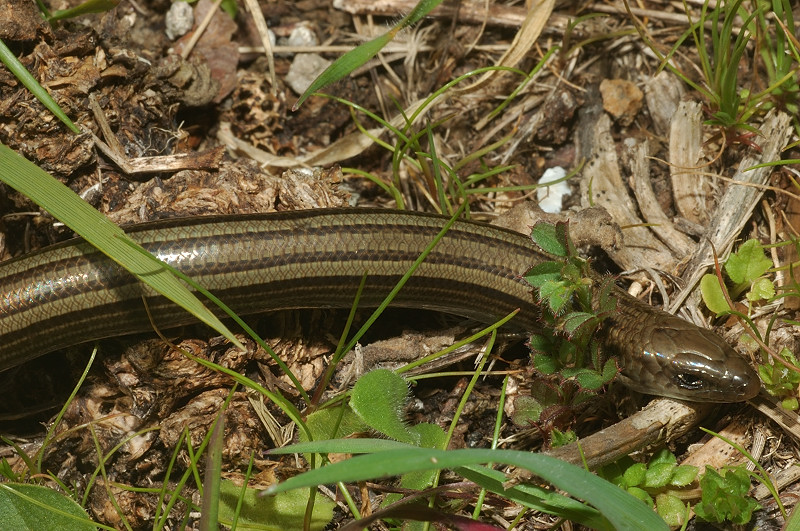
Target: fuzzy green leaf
x,y
589,379
332,423
545,364
527,410
378,398
663,456
671,509
575,321
641,494
634,475
550,239
557,294
658,475
543,272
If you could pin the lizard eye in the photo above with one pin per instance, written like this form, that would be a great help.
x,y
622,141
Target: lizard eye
x,y
689,381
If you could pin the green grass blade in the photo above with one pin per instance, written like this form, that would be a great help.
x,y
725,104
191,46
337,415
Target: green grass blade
x,y
85,8
620,508
364,52
21,73
94,227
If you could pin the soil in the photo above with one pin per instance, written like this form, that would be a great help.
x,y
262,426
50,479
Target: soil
x,y
230,143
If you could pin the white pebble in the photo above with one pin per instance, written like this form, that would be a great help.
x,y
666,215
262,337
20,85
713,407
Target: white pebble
x,y
550,197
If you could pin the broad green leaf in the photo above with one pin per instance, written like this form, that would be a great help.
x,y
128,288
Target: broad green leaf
x,y
589,379
577,320
642,495
378,398
333,423
712,294
663,456
271,513
545,364
557,294
527,410
431,436
24,506
748,263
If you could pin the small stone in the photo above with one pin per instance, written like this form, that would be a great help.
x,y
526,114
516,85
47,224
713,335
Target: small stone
x,y
304,70
302,35
179,19
621,99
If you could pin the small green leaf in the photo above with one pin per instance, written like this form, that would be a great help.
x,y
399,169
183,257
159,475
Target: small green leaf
x,y
671,509
577,320
683,475
663,456
724,496
610,370
378,397
527,411
543,272
559,438
658,475
634,475
641,494
557,294
713,295
748,263
549,238
589,379
430,435
762,289
545,364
